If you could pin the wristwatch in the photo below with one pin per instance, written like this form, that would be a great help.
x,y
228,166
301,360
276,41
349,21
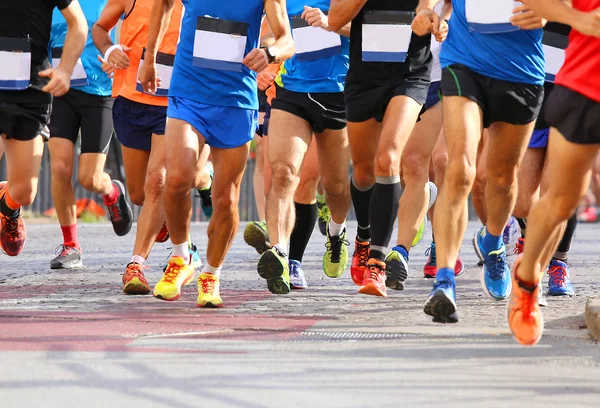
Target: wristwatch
x,y
270,55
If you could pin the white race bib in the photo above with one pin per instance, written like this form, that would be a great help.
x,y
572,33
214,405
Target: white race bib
x,y
386,35
15,63
491,16
164,68
554,50
79,77
313,43
220,44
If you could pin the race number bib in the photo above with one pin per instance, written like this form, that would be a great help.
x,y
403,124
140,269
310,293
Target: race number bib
x,y
220,44
313,43
386,35
79,77
164,68
491,16
554,49
15,63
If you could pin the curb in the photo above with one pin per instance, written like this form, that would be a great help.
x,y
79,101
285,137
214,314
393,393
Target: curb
x,y
592,317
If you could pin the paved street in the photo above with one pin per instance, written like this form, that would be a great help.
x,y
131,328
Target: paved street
x,y
73,339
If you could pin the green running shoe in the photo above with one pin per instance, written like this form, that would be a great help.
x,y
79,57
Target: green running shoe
x,y
420,233
324,214
256,236
273,266
335,259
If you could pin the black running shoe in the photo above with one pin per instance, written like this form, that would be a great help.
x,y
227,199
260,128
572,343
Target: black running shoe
x,y
67,258
120,212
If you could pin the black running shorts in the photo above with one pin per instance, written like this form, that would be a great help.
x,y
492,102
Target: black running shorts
x,y
24,115
323,111
91,113
501,101
574,115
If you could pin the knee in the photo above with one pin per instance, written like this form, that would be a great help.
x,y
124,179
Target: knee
x,y
415,166
155,182
226,201
459,177
387,163
439,161
363,174
136,195
284,174
91,181
23,194
502,180
62,171
563,206
179,180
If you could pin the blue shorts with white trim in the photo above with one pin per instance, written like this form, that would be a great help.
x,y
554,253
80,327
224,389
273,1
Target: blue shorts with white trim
x,y
223,127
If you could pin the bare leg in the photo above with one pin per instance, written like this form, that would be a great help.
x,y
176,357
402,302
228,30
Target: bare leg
x,y
478,192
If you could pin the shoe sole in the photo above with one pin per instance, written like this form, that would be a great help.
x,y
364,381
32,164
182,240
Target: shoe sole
x,y
442,309
257,239
209,305
77,265
395,276
129,212
297,287
272,270
558,294
187,281
136,287
476,248
371,289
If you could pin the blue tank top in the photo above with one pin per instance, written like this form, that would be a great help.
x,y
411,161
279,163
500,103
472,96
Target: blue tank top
x,y
215,36
514,56
98,83
322,58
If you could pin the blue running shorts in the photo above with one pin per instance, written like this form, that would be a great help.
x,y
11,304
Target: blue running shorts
x,y
135,123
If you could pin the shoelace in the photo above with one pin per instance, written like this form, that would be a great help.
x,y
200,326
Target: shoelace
x,y
208,285
171,273
12,228
495,265
443,283
115,212
294,271
558,275
135,270
374,271
527,301
430,252
362,253
334,245
324,212
63,250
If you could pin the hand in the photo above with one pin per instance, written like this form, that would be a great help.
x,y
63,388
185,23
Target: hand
x,y
265,79
256,60
119,58
60,81
106,67
589,23
441,35
148,77
526,19
315,17
426,22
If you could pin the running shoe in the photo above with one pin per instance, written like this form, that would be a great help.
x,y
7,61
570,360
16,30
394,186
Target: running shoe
x,y
589,215
433,193
13,233
441,303
474,241
559,283
396,270
430,268
495,274
163,235
177,274
120,213
208,291
359,261
374,282
206,195
134,281
511,233
542,301
420,232
297,278
195,257
335,259
519,246
274,267
523,312
255,235
68,258
324,214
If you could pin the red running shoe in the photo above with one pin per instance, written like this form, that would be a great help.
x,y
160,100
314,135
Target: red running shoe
x,y
13,233
374,283
163,235
430,268
359,261
519,246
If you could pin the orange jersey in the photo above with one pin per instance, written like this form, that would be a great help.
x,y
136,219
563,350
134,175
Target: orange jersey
x,y
134,34
274,69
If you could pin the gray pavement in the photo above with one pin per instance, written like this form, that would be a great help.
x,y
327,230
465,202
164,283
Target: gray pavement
x,y
72,338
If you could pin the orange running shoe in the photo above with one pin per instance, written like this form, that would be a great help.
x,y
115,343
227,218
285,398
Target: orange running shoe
x,y
359,261
134,281
374,283
13,233
163,235
523,312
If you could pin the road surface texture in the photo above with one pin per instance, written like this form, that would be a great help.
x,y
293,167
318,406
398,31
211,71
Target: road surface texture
x,y
73,339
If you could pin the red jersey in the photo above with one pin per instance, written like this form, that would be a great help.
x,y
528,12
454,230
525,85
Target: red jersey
x,y
581,70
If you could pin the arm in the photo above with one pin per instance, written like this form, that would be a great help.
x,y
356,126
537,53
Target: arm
x,y
109,18
555,10
342,12
316,18
427,21
77,29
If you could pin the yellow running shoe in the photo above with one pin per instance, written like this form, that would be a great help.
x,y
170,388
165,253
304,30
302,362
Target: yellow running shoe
x,y
420,232
208,291
177,274
335,259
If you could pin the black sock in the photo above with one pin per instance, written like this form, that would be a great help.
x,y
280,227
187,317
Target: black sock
x,y
432,236
523,224
306,218
9,212
382,214
361,201
565,243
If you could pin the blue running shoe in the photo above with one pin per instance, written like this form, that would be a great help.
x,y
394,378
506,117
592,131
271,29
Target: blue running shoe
x,y
297,278
559,283
511,233
495,274
441,303
206,195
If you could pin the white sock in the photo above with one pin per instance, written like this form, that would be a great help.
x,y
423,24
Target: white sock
x,y
138,260
213,270
336,229
182,250
281,248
